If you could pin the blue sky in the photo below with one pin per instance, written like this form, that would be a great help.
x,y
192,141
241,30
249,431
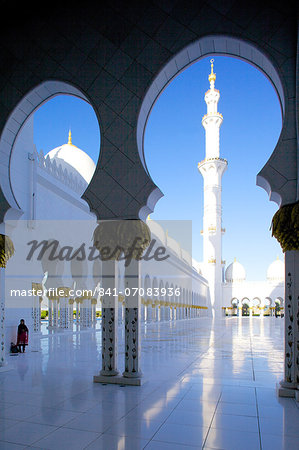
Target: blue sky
x,y
174,144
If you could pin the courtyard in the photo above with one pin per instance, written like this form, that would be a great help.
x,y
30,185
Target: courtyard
x,y
206,385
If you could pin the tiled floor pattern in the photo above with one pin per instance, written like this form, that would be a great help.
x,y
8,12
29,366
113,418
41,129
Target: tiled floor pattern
x,y
208,385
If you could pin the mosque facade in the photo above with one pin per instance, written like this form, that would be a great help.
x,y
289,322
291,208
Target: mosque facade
x,y
49,193
53,270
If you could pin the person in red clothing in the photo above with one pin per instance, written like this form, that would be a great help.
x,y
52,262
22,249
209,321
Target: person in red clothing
x,y
22,339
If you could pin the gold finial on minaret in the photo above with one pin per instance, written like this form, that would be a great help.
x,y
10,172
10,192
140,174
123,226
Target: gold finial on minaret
x,y
212,76
70,138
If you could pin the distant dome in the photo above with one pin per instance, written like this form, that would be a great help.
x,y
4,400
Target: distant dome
x,y
275,271
235,272
74,160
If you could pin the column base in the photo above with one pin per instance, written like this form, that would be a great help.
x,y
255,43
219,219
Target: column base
x,y
118,379
289,390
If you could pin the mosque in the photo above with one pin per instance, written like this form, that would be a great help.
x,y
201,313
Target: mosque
x,y
206,383
49,192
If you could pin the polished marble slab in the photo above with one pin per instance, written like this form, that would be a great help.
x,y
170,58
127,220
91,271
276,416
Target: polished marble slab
x,y
206,385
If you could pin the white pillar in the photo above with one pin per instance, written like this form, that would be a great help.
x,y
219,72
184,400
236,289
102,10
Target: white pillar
x,y
109,319
167,307
149,311
154,312
2,318
161,312
64,322
142,309
36,312
84,313
88,313
54,312
158,312
71,313
289,385
50,313
77,311
94,311
132,322
120,310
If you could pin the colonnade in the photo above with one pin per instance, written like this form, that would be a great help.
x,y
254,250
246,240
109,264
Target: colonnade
x,y
160,310
130,311
61,310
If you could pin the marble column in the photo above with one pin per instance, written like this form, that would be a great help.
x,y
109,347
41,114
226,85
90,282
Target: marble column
x,y
174,312
64,316
109,321
50,313
149,311
167,311
36,309
64,308
154,312
157,311
71,313
162,311
83,313
94,311
142,310
120,310
53,312
55,303
78,304
89,313
289,386
132,322
2,319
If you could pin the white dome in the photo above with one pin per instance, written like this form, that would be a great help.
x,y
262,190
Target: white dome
x,y
275,271
74,160
235,272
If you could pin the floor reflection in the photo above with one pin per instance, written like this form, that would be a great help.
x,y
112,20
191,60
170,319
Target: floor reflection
x,y
208,384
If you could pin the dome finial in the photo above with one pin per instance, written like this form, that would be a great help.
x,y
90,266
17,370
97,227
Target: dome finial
x,y
212,76
70,138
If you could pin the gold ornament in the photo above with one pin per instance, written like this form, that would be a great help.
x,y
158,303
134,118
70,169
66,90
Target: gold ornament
x,y
113,238
6,249
285,226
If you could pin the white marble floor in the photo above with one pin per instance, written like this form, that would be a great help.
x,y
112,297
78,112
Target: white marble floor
x,y
208,385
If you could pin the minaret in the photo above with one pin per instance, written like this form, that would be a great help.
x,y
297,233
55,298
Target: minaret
x,y
212,169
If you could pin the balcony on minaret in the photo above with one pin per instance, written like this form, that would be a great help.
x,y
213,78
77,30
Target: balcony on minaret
x,y
212,117
212,169
212,229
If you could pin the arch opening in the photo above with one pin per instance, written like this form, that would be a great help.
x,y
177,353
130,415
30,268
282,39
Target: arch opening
x,y
185,158
17,143
218,45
